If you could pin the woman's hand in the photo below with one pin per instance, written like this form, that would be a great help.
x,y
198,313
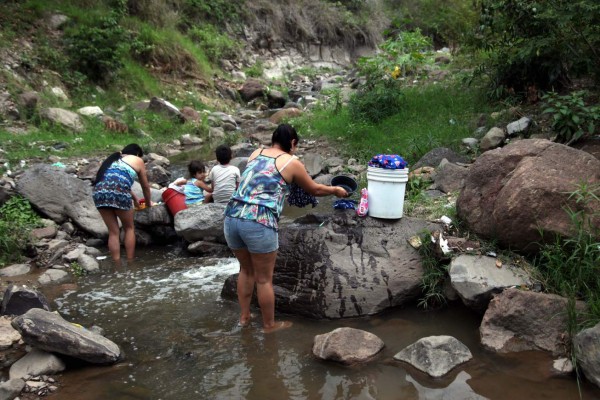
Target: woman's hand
x,y
340,192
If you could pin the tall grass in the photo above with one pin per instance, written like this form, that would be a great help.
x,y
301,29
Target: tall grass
x,y
429,116
571,266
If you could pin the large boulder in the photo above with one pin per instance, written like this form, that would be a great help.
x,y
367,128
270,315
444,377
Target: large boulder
x,y
476,278
65,118
514,193
340,265
49,331
519,320
587,351
70,197
200,221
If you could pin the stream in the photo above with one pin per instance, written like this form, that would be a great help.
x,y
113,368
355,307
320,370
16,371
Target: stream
x,y
181,341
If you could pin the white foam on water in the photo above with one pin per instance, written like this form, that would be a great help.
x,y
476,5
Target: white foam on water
x,y
150,285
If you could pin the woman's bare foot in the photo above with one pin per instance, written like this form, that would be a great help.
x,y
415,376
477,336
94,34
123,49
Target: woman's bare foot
x,y
245,322
279,325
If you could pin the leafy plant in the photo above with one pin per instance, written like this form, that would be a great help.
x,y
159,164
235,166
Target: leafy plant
x,y
17,210
374,103
571,266
532,44
215,44
256,70
434,276
96,50
572,118
16,221
77,269
398,57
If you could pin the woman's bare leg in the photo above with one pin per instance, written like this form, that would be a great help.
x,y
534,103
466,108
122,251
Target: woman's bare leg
x,y
126,217
110,219
264,265
245,284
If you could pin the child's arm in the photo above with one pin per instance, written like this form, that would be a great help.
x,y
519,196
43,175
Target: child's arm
x,y
180,181
203,185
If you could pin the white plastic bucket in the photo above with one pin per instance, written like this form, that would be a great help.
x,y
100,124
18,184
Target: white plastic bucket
x,y
386,192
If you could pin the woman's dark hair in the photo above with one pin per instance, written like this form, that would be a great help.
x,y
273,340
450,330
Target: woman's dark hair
x,y
132,149
223,153
284,135
194,167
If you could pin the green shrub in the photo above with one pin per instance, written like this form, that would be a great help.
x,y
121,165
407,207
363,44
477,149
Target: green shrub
x,y
96,50
17,218
215,45
532,44
374,103
256,70
572,118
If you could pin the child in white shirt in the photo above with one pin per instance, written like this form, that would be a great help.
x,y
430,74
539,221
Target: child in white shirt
x,y
225,178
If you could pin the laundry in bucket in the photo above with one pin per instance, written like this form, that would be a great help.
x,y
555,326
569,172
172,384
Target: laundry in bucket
x,y
388,161
300,198
344,204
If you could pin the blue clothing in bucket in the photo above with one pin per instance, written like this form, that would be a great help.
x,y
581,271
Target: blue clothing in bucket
x,y
388,161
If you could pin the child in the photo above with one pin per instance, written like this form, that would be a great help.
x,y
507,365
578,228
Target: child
x,y
225,178
194,187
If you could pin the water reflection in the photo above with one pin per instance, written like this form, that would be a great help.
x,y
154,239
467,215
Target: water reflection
x,y
459,389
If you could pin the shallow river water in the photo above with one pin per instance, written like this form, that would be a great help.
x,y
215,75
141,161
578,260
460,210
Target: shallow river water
x,y
181,342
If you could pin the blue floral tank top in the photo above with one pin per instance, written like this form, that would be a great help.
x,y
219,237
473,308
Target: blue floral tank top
x,y
261,193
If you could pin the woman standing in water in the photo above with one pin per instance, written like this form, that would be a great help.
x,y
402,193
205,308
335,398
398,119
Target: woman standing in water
x,y
114,199
252,215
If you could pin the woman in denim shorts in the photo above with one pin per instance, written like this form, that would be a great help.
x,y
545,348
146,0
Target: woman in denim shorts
x,y
252,215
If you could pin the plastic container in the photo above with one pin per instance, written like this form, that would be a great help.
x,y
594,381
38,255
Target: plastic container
x,y
386,192
174,200
345,182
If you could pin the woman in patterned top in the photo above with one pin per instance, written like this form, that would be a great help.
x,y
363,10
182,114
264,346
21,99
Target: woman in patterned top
x,y
114,199
252,215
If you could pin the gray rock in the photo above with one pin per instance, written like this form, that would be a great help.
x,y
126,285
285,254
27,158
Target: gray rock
x,y
313,163
73,255
200,221
159,105
206,248
239,162
477,278
494,138
520,320
347,346
516,127
11,389
53,276
50,332
150,216
8,334
435,355
65,118
20,299
15,270
71,197
449,177
587,351
434,157
88,263
35,363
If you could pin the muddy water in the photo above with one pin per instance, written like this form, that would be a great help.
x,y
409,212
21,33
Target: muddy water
x,y
181,342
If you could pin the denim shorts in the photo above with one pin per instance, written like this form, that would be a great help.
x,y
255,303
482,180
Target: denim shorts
x,y
248,234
